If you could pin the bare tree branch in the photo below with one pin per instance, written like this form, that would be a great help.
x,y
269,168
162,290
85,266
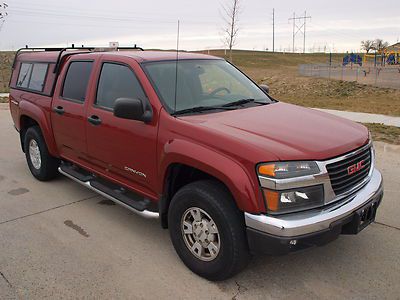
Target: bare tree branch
x,y
230,16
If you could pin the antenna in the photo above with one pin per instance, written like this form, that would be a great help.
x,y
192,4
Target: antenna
x,y
176,67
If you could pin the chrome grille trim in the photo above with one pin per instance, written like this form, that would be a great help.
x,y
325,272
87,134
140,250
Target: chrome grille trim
x,y
322,177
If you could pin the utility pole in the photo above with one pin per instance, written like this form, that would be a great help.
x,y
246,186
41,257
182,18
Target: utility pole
x,y
273,30
299,25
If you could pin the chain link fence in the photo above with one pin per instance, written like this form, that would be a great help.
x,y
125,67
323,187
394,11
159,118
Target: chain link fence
x,y
385,77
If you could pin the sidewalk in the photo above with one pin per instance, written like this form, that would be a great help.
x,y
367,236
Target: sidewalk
x,y
364,117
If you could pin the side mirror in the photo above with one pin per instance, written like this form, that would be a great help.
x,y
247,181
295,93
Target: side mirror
x,y
132,109
265,88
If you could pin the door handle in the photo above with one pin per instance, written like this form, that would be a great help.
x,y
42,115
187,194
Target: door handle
x,y
59,110
95,120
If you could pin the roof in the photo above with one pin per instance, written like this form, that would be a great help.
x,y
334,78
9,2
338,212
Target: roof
x,y
394,47
140,56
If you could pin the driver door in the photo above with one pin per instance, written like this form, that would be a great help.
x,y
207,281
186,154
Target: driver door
x,y
123,149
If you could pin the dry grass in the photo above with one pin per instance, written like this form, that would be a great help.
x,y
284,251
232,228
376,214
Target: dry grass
x,y
3,100
383,133
280,72
6,59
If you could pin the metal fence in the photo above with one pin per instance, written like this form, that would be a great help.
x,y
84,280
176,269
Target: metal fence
x,y
386,77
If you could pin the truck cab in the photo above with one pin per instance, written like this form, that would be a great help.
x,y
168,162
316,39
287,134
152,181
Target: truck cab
x,y
190,140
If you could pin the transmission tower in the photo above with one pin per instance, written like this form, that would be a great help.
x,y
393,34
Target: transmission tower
x,y
299,25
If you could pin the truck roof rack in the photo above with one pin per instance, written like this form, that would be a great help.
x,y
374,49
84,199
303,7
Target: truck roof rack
x,y
62,50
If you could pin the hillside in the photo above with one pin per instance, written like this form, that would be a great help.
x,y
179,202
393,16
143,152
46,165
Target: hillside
x,y
280,72
6,59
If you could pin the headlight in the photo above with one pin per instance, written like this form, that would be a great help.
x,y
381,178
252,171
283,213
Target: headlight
x,y
294,200
283,170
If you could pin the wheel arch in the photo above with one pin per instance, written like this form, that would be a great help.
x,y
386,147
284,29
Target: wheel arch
x,y
179,169
32,115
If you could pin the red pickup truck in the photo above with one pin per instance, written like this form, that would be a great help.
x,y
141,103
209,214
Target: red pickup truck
x,y
191,140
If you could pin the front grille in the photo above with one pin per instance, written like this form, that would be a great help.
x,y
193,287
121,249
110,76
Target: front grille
x,y
341,180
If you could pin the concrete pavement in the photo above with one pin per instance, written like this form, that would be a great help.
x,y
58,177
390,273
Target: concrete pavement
x,y
60,240
364,117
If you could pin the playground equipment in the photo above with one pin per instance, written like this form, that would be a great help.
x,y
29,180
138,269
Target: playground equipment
x,y
390,57
352,59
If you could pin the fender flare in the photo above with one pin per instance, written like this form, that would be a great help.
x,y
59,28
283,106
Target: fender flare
x,y
222,167
34,112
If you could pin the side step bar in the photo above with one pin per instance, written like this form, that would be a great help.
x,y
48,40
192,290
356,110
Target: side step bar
x,y
137,205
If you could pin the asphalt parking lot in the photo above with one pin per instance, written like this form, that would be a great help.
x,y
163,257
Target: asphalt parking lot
x,y
60,240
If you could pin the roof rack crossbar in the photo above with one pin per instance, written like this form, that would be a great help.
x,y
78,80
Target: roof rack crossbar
x,y
45,49
62,50
56,67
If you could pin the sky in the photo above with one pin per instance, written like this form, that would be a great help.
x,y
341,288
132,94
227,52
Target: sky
x,y
336,26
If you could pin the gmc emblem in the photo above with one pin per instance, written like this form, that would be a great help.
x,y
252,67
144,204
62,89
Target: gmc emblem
x,y
355,168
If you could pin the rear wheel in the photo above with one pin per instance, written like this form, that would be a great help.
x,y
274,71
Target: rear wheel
x,y
42,165
208,231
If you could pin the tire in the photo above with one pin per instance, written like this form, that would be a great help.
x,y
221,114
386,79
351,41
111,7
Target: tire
x,y
212,201
42,165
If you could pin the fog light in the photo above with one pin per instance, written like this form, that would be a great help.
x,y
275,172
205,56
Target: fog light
x,y
294,200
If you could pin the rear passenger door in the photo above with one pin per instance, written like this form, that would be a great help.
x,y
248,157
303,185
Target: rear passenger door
x,y
68,116
123,149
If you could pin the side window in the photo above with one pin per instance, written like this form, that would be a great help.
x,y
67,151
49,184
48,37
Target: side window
x,y
24,75
117,81
38,76
32,76
76,80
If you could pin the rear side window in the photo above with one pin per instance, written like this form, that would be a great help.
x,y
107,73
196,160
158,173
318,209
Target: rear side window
x,y
117,81
32,76
76,80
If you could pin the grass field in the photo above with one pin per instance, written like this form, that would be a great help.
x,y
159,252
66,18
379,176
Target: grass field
x,y
6,59
383,133
280,72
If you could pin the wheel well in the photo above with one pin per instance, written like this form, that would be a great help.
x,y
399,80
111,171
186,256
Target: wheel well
x,y
25,123
178,175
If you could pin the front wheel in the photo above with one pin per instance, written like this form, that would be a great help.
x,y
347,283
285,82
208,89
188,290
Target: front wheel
x,y
208,231
42,165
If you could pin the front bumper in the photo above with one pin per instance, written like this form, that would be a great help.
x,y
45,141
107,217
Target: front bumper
x,y
291,232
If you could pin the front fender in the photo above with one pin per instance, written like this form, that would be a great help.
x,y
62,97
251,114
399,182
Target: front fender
x,y
225,169
35,112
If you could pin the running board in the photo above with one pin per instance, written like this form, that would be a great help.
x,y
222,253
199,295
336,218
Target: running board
x,y
137,205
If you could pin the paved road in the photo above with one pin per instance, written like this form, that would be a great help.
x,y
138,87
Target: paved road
x,y
60,239
364,117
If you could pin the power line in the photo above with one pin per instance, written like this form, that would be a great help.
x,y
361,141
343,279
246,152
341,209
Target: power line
x,y
299,25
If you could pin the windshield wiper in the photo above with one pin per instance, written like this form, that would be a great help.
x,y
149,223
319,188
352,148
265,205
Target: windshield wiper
x,y
243,101
201,109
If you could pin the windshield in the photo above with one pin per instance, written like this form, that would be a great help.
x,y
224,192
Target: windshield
x,y
201,83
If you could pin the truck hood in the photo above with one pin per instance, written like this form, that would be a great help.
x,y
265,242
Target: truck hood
x,y
287,131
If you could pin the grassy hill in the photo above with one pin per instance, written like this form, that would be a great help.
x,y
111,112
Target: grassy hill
x,y
6,59
280,72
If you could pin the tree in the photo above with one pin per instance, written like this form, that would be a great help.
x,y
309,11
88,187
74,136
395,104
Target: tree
x,y
379,45
367,45
230,16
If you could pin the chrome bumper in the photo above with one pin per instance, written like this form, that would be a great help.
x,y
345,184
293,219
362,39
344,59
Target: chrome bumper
x,y
301,223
